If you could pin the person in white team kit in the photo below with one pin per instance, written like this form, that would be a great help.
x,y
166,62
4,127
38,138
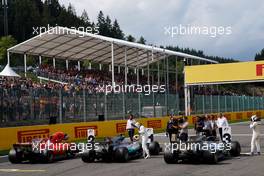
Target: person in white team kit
x,y
130,127
255,141
221,123
144,138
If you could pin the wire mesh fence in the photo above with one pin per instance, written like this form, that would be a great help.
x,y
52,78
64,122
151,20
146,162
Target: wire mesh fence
x,y
213,103
38,106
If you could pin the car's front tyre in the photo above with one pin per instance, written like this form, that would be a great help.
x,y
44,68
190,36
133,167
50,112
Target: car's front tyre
x,y
170,157
235,148
121,154
88,157
154,148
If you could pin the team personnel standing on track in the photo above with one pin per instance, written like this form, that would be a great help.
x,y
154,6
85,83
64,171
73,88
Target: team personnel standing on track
x,y
130,127
221,123
144,138
172,128
199,124
207,126
213,125
184,129
255,141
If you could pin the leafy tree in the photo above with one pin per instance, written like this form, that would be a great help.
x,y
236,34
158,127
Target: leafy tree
x,y
5,43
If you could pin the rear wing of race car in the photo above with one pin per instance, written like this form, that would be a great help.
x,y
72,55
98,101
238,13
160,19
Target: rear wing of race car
x,y
22,147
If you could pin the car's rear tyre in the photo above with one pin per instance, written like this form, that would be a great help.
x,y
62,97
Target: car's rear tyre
x,y
70,154
121,154
209,157
49,158
170,157
14,157
154,148
235,148
33,160
88,157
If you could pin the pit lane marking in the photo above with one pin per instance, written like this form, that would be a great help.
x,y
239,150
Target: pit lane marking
x,y
21,170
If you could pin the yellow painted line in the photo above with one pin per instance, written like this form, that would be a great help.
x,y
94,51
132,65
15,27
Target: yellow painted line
x,y
20,170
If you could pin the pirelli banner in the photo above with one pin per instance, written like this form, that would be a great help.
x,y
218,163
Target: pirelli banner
x,y
76,131
225,73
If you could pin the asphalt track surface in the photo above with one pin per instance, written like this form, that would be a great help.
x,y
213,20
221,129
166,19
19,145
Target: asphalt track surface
x,y
243,165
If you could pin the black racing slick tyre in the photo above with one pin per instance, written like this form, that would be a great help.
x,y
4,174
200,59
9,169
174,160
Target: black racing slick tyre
x,y
121,154
209,157
154,148
14,157
235,148
49,158
170,157
88,157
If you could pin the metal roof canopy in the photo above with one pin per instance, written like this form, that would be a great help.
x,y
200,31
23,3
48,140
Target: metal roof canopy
x,y
70,44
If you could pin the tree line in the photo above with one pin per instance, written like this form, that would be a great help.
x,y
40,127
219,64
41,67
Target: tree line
x,y
23,15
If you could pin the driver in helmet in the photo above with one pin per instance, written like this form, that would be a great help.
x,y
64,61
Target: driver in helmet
x,y
255,140
144,138
59,137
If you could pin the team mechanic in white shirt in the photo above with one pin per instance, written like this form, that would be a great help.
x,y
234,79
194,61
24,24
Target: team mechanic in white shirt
x,y
221,123
144,138
255,140
130,127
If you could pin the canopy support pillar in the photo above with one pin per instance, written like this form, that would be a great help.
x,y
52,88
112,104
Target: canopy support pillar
x,y
148,69
158,73
79,65
126,69
40,60
54,63
8,58
67,64
113,66
25,64
139,102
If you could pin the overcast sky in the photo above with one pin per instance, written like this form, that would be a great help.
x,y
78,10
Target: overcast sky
x,y
149,18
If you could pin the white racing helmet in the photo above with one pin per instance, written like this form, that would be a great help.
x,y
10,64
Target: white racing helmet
x,y
137,124
254,118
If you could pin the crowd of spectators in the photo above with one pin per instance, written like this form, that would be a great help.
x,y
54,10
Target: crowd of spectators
x,y
86,76
90,79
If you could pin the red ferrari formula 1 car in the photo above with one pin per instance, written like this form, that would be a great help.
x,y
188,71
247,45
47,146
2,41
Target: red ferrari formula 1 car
x,y
43,150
